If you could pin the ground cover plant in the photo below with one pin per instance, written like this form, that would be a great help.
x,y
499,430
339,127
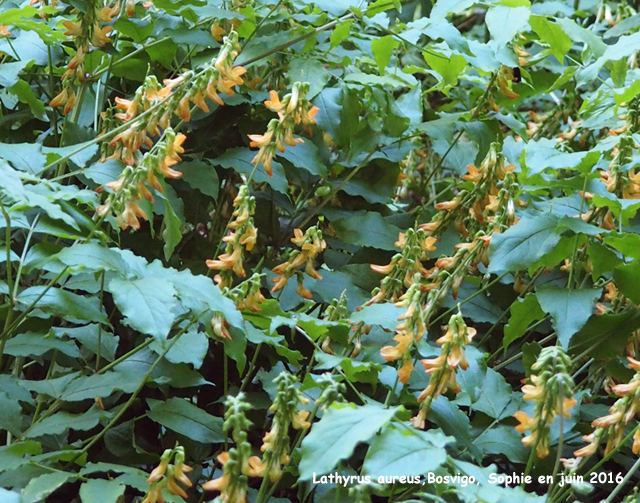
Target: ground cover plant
x,y
319,251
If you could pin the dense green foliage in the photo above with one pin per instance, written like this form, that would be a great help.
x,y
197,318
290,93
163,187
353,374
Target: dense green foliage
x,y
250,244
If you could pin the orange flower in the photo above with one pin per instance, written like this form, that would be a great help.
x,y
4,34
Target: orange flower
x,y
526,423
217,31
274,102
405,371
73,29
4,31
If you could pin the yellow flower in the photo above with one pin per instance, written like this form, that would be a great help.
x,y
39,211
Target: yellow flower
x,y
274,102
4,31
217,31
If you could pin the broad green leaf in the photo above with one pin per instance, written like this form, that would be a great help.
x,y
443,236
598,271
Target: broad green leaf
x,y
523,244
185,418
382,49
386,315
523,313
26,95
584,35
9,72
24,156
335,436
92,338
405,452
62,421
146,303
505,22
305,156
34,344
570,309
92,257
171,230
101,385
61,303
369,229
311,71
101,491
354,370
628,244
41,487
442,8
495,396
11,417
240,159
453,422
552,34
190,348
602,258
340,33
504,441
606,335
53,387
627,278
201,176
448,67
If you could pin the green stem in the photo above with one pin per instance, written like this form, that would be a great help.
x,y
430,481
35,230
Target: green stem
x,y
626,479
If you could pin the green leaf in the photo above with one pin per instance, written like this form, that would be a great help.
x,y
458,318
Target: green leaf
x,y
335,436
171,230
41,487
146,303
34,344
503,441
385,315
406,452
24,156
201,176
453,422
382,49
190,348
627,278
11,417
240,159
570,309
495,396
101,491
179,415
523,244
306,156
448,67
62,421
101,385
26,95
580,34
606,335
63,304
340,33
311,71
602,259
92,257
369,229
628,244
504,22
523,313
552,34
9,72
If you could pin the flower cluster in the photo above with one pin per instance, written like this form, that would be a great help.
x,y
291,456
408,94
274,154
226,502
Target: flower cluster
x,y
311,244
166,476
241,239
442,370
405,266
411,330
238,464
154,105
275,443
294,109
550,388
247,295
87,33
470,209
133,183
336,310
613,425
